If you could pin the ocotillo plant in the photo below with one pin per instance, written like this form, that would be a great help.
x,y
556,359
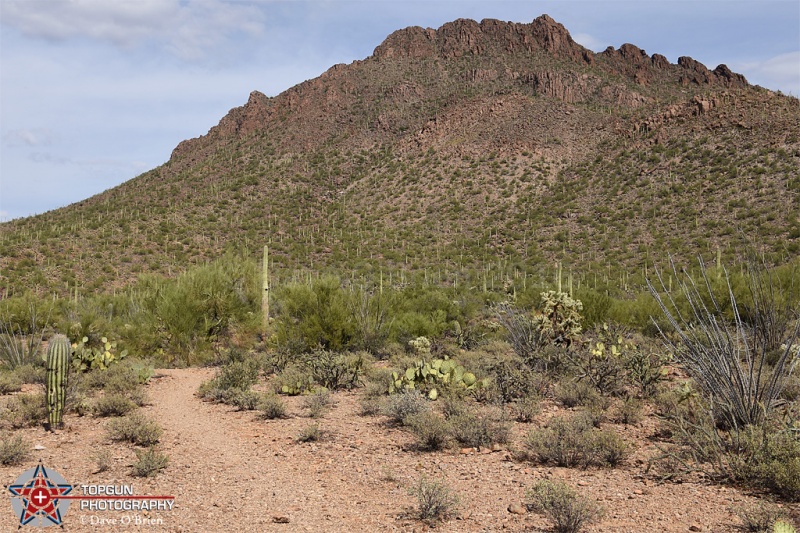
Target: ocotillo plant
x,y
59,354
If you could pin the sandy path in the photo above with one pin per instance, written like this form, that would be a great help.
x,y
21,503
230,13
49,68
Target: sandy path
x,y
230,471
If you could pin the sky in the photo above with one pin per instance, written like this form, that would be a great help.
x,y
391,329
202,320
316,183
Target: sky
x,y
96,92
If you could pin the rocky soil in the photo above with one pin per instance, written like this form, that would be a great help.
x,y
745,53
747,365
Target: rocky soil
x,y
231,471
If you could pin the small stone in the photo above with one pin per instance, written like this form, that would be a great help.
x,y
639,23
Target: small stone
x,y
280,519
695,527
516,508
39,447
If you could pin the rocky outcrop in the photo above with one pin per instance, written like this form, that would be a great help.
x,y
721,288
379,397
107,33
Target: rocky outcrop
x,y
373,100
697,73
634,63
241,120
464,37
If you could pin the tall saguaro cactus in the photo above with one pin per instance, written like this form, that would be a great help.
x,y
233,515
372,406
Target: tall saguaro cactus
x,y
59,354
265,293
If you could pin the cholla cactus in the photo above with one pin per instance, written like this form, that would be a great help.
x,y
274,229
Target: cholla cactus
x,y
560,318
420,345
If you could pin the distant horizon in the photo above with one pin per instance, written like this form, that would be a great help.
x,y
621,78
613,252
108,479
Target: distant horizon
x,y
94,94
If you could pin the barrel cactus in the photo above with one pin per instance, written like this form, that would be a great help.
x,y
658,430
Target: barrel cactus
x,y
59,354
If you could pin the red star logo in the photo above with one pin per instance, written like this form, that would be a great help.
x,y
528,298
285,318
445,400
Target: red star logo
x,y
40,497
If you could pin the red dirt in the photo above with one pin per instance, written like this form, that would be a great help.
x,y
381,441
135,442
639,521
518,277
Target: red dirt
x,y
230,471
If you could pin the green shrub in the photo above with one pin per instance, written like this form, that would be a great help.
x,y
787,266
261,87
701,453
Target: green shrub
x,y
568,511
113,405
272,407
370,313
239,375
122,378
243,400
25,410
645,369
759,518
575,442
293,380
629,411
596,306
526,409
182,317
431,430
14,450
452,406
435,500
768,457
606,448
399,407
210,392
335,371
149,462
136,429
571,393
480,429
370,401
31,373
602,364
138,396
318,403
102,460
308,316
9,382
310,433
513,379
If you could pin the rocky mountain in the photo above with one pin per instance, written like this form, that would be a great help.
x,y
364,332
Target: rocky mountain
x,y
474,148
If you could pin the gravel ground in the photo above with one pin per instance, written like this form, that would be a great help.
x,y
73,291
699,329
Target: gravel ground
x,y
230,471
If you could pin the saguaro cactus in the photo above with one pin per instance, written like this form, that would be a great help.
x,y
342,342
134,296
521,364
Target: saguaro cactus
x,y
265,293
59,354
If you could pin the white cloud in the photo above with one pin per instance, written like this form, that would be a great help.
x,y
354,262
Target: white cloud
x,y
780,72
97,162
188,29
590,42
29,137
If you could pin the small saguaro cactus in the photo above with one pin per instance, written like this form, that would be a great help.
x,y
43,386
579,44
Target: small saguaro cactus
x,y
59,353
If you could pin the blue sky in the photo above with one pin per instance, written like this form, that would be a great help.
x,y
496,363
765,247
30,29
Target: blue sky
x,y
95,92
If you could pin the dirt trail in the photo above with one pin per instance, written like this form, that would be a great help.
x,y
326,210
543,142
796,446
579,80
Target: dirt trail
x,y
230,471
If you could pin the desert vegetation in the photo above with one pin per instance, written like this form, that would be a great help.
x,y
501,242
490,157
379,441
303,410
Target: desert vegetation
x,y
513,250
456,368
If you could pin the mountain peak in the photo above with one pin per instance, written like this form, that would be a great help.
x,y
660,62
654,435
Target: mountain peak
x,y
464,37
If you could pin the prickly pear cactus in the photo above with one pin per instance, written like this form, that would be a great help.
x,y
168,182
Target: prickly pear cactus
x,y
782,526
59,353
432,375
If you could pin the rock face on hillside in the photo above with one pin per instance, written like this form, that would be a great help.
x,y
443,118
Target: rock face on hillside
x,y
540,56
467,37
